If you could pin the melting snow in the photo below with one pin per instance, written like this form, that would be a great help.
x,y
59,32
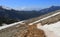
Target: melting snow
x,y
51,29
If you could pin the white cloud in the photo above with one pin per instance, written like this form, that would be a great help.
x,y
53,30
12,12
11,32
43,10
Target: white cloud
x,y
27,8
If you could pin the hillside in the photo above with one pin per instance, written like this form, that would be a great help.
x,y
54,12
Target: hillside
x,y
9,16
21,29
41,17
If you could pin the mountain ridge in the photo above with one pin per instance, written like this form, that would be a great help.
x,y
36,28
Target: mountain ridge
x,y
9,15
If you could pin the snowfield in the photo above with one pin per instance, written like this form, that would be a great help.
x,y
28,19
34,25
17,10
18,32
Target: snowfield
x,y
51,30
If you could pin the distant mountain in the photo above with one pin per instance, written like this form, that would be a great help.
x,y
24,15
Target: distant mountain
x,y
50,9
7,15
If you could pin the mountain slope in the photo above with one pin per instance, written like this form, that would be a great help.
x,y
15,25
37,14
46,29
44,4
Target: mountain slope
x,y
9,15
18,29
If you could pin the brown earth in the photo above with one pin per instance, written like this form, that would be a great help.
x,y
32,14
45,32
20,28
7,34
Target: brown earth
x,y
31,32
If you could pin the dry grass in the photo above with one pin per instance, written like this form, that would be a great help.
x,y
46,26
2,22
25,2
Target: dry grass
x,y
51,20
32,31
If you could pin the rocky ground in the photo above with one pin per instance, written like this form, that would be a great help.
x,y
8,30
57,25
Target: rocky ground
x,y
32,31
11,31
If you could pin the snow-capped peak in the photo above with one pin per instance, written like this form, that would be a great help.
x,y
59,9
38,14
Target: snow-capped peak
x,y
5,7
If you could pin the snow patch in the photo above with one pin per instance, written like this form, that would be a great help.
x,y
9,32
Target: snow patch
x,y
53,29
45,18
6,26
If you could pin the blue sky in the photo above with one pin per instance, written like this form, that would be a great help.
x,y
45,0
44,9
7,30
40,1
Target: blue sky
x,y
29,3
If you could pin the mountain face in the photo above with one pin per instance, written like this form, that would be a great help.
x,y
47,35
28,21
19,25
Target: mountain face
x,y
9,16
51,9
